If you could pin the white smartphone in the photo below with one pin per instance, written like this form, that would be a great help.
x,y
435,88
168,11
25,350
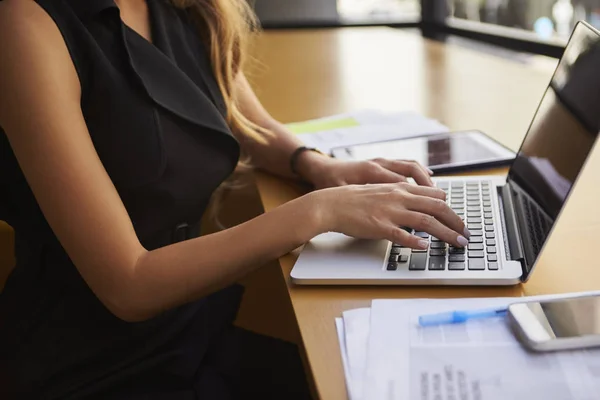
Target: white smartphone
x,y
569,323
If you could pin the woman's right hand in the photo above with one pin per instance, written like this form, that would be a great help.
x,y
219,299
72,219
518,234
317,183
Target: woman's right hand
x,y
379,211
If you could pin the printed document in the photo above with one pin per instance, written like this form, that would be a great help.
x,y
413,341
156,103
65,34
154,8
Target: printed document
x,y
476,360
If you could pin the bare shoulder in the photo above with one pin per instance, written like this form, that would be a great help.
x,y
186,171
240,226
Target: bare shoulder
x,y
33,50
25,25
15,13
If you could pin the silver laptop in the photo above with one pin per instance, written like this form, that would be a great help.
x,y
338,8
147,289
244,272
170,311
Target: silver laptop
x,y
510,218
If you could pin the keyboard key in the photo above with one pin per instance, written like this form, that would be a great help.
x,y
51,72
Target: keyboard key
x,y
474,227
487,209
437,263
477,264
489,235
437,245
492,257
489,228
473,197
490,242
401,246
476,254
456,257
476,233
474,214
456,250
395,250
423,235
489,221
491,250
485,198
456,266
472,203
442,185
475,246
487,215
493,266
392,266
403,258
437,252
487,204
475,239
457,184
434,239
393,258
473,208
473,220
418,251
418,262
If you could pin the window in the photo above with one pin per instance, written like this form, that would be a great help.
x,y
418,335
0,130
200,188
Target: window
x,y
376,11
547,19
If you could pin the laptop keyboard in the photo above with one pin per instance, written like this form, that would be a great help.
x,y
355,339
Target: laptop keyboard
x,y
472,201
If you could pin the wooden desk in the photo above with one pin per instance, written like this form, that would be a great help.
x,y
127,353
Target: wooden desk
x,y
308,74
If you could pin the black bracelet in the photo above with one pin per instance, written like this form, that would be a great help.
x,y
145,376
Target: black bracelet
x,y
296,154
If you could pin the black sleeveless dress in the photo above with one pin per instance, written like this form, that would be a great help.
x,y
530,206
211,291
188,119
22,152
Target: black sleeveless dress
x,y
156,118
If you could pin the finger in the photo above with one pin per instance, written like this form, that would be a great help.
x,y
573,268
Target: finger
x,y
408,168
400,236
427,223
438,208
428,191
375,173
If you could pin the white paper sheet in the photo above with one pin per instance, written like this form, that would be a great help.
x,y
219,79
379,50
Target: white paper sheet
x,y
356,328
478,360
339,324
374,127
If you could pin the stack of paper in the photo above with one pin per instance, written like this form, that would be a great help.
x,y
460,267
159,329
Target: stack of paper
x,y
364,126
387,355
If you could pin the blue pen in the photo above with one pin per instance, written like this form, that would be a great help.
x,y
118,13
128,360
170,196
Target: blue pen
x,y
454,317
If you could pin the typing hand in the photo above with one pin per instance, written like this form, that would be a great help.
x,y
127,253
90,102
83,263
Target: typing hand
x,y
377,211
326,172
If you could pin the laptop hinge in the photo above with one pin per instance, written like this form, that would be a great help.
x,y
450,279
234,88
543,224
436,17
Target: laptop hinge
x,y
512,236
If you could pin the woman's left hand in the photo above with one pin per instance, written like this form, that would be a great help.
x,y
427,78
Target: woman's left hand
x,y
328,172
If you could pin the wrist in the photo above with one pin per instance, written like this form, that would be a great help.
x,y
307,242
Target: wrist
x,y
317,211
311,164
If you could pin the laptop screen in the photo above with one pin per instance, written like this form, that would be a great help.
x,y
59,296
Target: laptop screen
x,y
559,140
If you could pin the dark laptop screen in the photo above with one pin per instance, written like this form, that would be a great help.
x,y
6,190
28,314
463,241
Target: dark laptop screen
x,y
559,140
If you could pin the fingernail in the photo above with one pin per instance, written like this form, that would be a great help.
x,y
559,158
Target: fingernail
x,y
423,244
467,233
430,171
462,241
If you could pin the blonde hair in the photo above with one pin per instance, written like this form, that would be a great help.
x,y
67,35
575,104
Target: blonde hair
x,y
225,27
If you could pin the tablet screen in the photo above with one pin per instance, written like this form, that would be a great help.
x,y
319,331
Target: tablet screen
x,y
434,151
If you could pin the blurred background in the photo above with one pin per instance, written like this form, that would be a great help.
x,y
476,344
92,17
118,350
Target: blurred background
x,y
544,20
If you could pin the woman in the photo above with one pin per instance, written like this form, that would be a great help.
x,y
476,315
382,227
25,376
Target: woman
x,y
121,119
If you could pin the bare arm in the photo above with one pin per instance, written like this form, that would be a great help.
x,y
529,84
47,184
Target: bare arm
x,y
274,155
41,114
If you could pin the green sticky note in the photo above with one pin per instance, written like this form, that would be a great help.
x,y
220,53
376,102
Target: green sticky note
x,y
317,126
